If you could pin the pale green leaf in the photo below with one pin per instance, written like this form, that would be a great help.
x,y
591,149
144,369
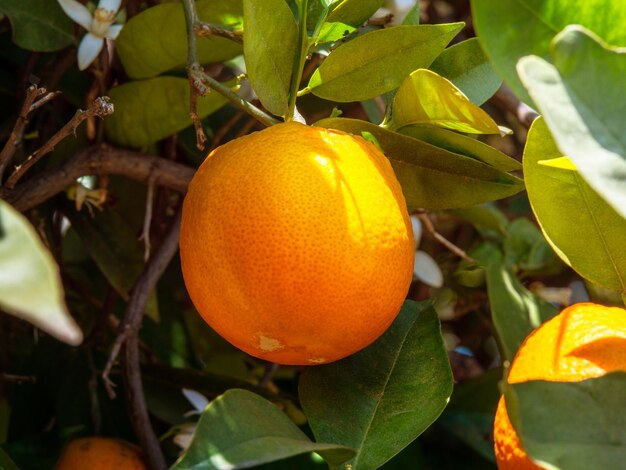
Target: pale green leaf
x,y
582,100
427,98
585,231
468,67
30,284
240,429
377,62
269,40
152,109
155,40
512,29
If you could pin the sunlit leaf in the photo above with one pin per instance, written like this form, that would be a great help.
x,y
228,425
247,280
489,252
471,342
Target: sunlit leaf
x,y
572,425
584,230
270,38
377,62
427,98
30,285
512,29
152,109
586,121
468,67
155,40
38,25
380,399
240,429
432,177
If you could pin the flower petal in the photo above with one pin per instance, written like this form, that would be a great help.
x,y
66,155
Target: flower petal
x,y
426,270
114,31
78,12
88,50
110,5
417,230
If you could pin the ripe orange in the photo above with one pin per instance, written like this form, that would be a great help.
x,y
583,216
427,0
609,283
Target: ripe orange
x,y
296,245
100,453
584,341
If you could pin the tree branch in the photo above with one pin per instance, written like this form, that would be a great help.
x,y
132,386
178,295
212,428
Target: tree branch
x,y
99,107
506,99
102,160
203,29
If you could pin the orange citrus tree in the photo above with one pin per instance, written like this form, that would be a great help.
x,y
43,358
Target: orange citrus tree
x,y
312,234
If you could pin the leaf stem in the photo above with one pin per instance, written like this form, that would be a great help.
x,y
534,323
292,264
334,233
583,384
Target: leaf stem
x,y
299,59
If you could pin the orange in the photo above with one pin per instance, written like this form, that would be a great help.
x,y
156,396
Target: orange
x,y
296,244
100,453
583,341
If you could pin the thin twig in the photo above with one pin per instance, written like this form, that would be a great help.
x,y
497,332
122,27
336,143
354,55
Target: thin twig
x,y
223,130
103,160
504,98
201,83
100,107
19,379
203,29
147,221
15,139
40,102
128,336
422,215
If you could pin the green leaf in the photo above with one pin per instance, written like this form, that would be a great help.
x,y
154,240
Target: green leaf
x,y
585,231
468,67
152,109
427,98
30,285
5,461
525,247
487,219
432,177
269,49
377,62
155,40
572,425
38,25
463,145
514,309
586,121
380,399
412,17
240,429
354,12
115,248
512,29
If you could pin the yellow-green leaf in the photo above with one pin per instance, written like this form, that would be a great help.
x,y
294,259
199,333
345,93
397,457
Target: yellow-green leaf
x,y
585,231
429,99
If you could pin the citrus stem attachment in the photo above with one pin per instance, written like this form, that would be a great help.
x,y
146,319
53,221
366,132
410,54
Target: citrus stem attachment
x,y
300,58
200,83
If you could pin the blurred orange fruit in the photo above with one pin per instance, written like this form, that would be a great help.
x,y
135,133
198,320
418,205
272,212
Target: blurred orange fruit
x,y
100,453
583,341
296,244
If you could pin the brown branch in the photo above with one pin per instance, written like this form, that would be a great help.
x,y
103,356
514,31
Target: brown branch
x,y
202,29
128,335
505,99
103,160
18,379
422,215
40,102
15,139
100,107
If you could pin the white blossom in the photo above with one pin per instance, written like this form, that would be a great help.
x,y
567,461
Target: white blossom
x,y
99,27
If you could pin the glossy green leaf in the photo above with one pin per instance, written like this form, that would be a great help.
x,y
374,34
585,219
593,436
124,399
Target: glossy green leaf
x,y
585,231
586,121
526,248
512,29
380,399
413,15
432,177
30,284
468,67
155,40
514,309
152,109
487,218
572,425
115,248
463,145
427,98
240,429
377,62
5,461
269,49
38,25
354,12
